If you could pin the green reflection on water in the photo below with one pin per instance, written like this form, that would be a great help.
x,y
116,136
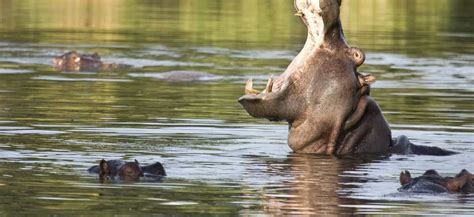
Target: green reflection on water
x,y
398,26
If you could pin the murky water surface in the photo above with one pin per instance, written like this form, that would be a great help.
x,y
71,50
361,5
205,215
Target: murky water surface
x,y
54,125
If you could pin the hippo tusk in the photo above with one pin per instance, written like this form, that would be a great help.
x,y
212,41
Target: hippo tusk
x,y
249,88
268,88
299,14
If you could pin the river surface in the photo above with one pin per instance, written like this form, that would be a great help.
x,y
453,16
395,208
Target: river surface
x,y
219,160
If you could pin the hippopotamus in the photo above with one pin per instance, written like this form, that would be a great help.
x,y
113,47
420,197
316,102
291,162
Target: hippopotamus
x,y
74,61
127,171
432,182
323,97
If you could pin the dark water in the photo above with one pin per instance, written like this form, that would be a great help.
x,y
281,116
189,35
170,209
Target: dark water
x,y
54,125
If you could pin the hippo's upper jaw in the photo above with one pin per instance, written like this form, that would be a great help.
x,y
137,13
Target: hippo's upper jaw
x,y
319,16
321,94
271,103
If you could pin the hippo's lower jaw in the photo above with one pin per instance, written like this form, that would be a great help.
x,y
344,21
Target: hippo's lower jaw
x,y
270,103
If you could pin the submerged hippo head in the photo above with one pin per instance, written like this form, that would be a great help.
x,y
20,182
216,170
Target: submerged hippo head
x,y
128,171
321,95
74,61
68,61
432,182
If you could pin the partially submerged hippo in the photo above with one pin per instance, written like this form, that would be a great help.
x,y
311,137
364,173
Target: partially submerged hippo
x,y
127,171
323,98
432,182
74,61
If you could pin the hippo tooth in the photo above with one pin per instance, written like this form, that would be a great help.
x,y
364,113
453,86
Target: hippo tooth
x,y
249,88
268,88
299,14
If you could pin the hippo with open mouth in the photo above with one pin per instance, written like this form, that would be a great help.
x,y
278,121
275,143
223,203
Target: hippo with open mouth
x,y
323,98
432,182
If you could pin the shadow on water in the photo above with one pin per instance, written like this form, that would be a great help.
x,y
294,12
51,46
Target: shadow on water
x,y
54,125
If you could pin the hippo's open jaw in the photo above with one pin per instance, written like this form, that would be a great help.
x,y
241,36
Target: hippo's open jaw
x,y
318,16
265,104
273,87
249,87
311,14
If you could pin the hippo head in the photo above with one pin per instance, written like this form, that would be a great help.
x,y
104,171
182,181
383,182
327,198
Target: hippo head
x,y
321,95
432,182
74,61
130,171
69,61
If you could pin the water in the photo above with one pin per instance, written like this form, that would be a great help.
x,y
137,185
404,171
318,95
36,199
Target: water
x,y
54,125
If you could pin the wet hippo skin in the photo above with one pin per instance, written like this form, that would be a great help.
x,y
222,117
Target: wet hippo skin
x,y
432,182
127,171
323,97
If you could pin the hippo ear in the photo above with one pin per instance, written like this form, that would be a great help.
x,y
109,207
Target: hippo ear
x,y
405,177
136,161
455,184
463,172
470,176
357,55
104,167
367,79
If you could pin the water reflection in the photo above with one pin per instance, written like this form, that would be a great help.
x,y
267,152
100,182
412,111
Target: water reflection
x,y
420,27
314,188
